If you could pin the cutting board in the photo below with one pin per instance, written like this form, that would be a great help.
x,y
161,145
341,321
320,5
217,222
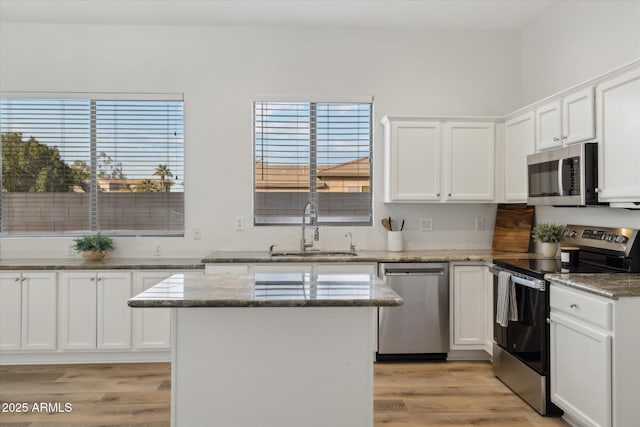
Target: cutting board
x,y
513,228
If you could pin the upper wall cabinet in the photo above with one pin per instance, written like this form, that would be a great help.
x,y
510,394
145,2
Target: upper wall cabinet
x,y
565,121
423,164
519,143
412,160
469,151
618,117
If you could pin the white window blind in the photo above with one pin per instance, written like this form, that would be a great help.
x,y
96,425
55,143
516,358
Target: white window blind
x,y
312,151
72,165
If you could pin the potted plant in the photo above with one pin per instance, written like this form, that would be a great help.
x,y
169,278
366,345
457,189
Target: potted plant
x,y
93,247
547,237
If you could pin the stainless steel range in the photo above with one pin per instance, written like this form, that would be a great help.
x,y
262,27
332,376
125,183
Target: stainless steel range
x,y
521,348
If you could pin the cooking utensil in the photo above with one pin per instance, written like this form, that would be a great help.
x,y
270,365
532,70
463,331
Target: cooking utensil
x,y
386,223
402,225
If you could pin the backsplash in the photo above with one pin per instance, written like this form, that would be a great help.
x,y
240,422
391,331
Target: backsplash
x,y
594,215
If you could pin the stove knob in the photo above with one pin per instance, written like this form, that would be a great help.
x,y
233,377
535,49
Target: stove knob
x,y
621,239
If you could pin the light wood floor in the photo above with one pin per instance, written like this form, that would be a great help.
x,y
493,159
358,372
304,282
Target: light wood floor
x,y
406,394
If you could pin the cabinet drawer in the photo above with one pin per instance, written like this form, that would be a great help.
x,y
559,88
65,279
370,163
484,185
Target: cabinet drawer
x,y
581,305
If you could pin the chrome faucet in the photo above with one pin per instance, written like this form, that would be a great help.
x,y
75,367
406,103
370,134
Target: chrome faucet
x,y
313,216
352,247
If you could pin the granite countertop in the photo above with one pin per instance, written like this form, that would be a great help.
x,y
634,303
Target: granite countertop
x,y
613,286
268,290
217,257
480,255
106,264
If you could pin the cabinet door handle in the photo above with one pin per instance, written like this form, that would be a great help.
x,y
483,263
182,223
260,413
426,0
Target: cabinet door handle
x,y
449,194
92,279
598,190
22,279
17,279
438,194
556,139
573,306
563,137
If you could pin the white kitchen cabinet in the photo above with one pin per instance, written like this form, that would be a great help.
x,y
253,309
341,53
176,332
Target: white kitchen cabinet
x,y
581,349
618,113
113,313
593,352
78,307
28,311
578,118
566,121
469,150
412,159
423,164
549,126
519,143
151,327
10,311
581,367
469,307
93,310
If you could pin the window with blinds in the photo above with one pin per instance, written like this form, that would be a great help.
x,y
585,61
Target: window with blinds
x,y
109,163
315,152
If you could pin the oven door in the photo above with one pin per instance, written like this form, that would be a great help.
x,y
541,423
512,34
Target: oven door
x,y
526,338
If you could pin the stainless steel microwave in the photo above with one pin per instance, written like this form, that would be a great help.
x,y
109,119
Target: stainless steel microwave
x,y
566,176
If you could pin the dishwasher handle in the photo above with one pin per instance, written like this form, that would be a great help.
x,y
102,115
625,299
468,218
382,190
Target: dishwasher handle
x,y
414,272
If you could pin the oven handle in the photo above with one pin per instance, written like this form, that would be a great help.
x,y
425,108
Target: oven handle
x,y
520,279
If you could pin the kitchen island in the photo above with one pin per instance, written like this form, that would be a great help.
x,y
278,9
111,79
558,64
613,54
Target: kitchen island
x,y
292,349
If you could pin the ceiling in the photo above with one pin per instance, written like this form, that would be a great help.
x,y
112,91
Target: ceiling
x,y
414,14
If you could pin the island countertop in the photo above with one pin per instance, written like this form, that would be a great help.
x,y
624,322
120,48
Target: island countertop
x,y
268,290
612,286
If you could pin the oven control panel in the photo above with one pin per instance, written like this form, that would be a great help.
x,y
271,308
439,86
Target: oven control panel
x,y
615,239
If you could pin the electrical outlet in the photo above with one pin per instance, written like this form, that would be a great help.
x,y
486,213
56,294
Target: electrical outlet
x,y
426,224
157,249
479,223
71,251
239,223
197,234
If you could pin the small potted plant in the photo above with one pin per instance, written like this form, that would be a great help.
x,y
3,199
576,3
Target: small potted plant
x,y
93,247
547,237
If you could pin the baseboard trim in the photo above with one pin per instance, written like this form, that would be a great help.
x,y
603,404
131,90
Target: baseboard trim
x,y
52,358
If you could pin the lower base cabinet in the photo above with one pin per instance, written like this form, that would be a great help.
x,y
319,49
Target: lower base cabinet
x,y
581,370
27,311
469,307
151,327
81,317
93,310
594,357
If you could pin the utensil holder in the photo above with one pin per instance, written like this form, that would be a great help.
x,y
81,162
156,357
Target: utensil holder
x,y
394,241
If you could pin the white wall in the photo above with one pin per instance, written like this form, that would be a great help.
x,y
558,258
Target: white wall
x,y
574,41
221,70
569,43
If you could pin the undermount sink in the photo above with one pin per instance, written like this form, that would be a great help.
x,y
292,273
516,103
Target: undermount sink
x,y
313,253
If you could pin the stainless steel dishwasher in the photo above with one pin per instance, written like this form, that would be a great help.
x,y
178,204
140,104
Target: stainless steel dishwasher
x,y
418,329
